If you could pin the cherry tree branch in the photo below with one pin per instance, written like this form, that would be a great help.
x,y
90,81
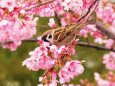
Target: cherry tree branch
x,y
88,14
84,44
79,43
91,45
105,31
37,5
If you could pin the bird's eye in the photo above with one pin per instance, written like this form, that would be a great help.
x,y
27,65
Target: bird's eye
x,y
49,36
44,39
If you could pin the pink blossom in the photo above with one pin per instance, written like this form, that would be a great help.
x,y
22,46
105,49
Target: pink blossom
x,y
66,50
3,22
9,29
15,23
58,7
9,4
12,46
44,11
113,24
100,81
54,75
109,43
99,40
71,50
84,33
109,61
1,13
106,13
53,81
91,29
64,76
73,5
42,62
54,50
112,27
62,49
67,18
52,23
74,67
39,59
59,51
87,3
70,70
111,78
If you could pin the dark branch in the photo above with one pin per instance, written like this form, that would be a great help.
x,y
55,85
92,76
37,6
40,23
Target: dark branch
x,y
89,10
90,45
87,14
105,31
58,19
84,44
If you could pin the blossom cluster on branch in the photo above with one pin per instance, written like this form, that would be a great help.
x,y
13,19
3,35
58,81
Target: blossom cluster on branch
x,y
56,61
15,23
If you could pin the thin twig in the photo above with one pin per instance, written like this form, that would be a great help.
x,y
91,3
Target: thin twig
x,y
37,5
58,19
89,9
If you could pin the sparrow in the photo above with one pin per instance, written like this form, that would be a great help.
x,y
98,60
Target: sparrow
x,y
65,35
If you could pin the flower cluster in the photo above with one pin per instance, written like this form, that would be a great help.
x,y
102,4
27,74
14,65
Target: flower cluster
x,y
67,19
92,30
109,82
44,11
109,60
56,60
70,70
73,5
15,24
106,14
52,23
39,59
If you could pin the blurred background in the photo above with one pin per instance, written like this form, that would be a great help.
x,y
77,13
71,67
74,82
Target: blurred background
x,y
12,73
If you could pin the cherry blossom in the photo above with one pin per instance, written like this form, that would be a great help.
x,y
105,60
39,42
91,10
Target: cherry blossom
x,y
109,60
14,19
48,57
52,23
68,18
102,82
73,5
70,70
39,59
